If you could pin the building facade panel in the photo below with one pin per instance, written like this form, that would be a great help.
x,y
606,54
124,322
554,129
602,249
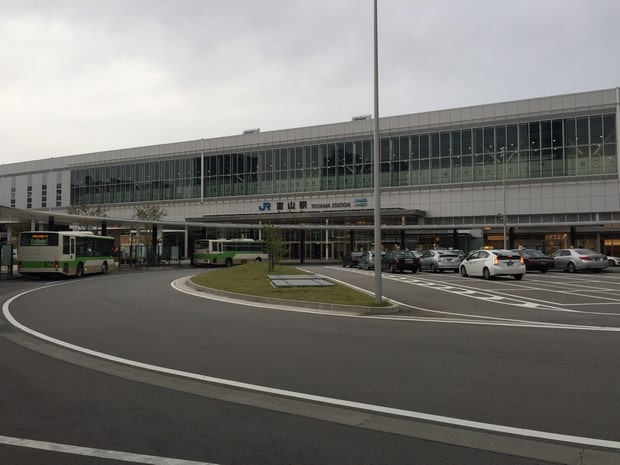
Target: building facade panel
x,y
555,159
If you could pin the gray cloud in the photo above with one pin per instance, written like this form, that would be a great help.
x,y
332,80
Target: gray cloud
x,y
87,76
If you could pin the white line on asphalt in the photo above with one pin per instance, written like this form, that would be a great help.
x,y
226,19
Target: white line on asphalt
x,y
522,432
100,453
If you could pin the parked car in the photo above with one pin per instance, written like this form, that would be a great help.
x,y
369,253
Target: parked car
x,y
439,260
366,261
491,263
535,260
400,260
613,261
573,260
351,259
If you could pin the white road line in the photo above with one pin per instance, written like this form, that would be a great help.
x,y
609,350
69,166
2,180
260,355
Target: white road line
x,y
488,295
522,432
100,453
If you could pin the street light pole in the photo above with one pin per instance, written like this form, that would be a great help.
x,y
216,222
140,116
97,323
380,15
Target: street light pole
x,y
377,172
503,150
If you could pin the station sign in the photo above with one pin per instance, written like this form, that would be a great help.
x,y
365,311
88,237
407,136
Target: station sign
x,y
319,205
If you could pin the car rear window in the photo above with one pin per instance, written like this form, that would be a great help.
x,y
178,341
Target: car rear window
x,y
507,255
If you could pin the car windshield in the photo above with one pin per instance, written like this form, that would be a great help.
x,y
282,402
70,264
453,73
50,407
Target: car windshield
x,y
585,252
444,253
403,254
532,253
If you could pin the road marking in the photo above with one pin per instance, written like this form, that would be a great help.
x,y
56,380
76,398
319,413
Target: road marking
x,y
488,295
459,422
100,453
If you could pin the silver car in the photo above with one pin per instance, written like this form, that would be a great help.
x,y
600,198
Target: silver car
x,y
439,260
573,260
366,261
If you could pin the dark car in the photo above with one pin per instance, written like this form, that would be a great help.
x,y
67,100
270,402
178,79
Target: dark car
x,y
400,260
351,259
535,260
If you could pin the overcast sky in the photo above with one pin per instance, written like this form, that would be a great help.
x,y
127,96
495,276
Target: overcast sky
x,y
80,76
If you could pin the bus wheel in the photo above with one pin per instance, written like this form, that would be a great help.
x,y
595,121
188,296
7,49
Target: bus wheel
x,y
258,259
104,268
228,262
80,271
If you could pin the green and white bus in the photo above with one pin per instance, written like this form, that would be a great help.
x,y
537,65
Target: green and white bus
x,y
68,253
227,252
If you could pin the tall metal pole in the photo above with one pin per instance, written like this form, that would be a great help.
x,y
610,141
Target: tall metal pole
x,y
377,170
503,149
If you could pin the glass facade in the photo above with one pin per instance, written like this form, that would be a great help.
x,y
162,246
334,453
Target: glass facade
x,y
580,146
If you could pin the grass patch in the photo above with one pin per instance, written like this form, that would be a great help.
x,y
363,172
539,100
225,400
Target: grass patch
x,y
251,279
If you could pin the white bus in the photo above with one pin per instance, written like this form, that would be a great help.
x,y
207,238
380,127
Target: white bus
x,y
227,251
68,253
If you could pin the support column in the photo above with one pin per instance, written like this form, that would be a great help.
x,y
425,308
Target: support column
x,y
302,246
104,228
573,236
50,223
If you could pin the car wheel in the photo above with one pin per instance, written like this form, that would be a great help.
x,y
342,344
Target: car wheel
x,y
544,270
571,268
486,274
463,272
414,270
104,268
80,271
392,269
518,277
228,262
433,269
596,270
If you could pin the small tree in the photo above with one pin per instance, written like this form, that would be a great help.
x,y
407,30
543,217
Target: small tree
x,y
274,245
87,210
149,212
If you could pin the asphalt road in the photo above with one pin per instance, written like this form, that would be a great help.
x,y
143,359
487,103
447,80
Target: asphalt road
x,y
556,374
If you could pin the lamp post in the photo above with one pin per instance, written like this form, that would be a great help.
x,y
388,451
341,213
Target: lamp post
x,y
377,172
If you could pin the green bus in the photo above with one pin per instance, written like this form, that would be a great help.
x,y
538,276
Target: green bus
x,y
66,253
227,252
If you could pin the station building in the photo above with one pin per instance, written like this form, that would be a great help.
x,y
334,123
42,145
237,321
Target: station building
x,y
540,173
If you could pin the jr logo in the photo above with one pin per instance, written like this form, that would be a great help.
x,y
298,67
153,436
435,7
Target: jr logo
x,y
265,206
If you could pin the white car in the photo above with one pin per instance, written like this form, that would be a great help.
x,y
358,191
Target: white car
x,y
613,261
491,263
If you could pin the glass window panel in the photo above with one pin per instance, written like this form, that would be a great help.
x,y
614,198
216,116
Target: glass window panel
x,y
512,137
456,143
582,131
611,164
385,149
415,147
466,141
444,144
425,149
434,145
404,148
478,142
609,128
570,134
524,138
596,129
489,140
556,133
534,135
500,137
545,134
